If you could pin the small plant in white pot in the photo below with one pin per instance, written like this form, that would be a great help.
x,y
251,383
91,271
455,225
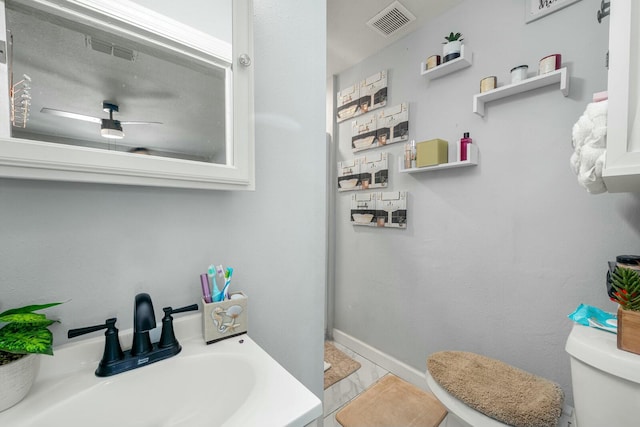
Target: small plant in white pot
x,y
23,336
452,47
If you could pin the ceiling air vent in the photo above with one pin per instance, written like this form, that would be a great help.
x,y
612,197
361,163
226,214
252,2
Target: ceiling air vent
x,y
110,48
391,19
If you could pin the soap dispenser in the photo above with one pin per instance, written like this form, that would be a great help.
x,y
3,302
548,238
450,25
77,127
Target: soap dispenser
x,y
464,146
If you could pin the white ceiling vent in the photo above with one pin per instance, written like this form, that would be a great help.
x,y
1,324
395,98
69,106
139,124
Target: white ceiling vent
x,y
391,19
110,48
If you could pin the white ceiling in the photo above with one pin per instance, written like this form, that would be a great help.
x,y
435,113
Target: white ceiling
x,y
350,40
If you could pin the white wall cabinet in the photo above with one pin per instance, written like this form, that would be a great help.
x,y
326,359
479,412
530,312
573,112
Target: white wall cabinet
x,y
622,166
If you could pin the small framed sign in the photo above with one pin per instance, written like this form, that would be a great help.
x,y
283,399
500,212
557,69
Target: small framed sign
x,y
536,9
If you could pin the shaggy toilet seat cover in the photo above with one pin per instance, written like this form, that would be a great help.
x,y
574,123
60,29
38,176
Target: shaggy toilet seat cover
x,y
498,390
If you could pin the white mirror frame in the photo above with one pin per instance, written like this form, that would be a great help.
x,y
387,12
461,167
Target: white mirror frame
x,y
27,159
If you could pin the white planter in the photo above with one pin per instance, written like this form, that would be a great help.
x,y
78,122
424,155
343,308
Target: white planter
x,y
16,379
451,50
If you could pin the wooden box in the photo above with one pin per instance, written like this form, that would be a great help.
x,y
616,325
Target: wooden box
x,y
629,330
432,152
225,319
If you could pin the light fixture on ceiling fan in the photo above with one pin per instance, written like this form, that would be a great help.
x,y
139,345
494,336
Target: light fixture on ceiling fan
x,y
109,128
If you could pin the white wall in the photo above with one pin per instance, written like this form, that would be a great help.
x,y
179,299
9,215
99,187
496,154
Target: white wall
x,y
211,16
495,256
99,245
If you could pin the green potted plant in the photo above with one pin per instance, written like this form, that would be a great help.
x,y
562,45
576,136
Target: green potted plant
x,y
452,46
626,286
23,336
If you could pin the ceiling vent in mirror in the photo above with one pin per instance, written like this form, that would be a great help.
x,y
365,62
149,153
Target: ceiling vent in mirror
x,y
110,48
391,19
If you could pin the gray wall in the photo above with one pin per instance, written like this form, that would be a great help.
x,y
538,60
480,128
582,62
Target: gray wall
x,y
495,256
98,245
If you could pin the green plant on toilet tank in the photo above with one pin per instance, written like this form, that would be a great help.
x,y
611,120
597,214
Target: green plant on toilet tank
x,y
24,332
452,46
626,284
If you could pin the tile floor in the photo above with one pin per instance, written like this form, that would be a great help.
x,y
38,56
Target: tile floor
x,y
345,390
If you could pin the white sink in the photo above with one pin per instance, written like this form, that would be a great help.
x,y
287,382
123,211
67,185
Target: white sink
x,y
230,383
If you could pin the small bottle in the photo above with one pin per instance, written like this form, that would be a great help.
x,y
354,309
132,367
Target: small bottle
x,y
413,153
407,155
464,146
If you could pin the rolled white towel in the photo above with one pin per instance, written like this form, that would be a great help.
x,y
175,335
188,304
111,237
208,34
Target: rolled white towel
x,y
574,162
590,173
591,127
589,143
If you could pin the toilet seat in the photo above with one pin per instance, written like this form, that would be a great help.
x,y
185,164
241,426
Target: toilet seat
x,y
459,409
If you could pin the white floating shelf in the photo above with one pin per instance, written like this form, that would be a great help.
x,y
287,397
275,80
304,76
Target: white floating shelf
x,y
558,76
472,160
463,61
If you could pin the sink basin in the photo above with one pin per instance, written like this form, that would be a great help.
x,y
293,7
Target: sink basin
x,y
229,383
176,399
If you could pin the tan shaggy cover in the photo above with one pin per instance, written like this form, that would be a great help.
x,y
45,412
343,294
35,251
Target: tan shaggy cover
x,y
498,390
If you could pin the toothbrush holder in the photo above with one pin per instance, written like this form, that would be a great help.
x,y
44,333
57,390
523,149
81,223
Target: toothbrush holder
x,y
225,319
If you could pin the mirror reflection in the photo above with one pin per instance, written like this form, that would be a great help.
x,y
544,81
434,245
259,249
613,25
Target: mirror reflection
x,y
76,84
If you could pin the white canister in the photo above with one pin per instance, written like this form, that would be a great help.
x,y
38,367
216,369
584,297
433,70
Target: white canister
x,y
519,73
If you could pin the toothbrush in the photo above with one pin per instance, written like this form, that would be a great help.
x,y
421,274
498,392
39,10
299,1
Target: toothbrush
x,y
216,291
227,282
220,272
206,292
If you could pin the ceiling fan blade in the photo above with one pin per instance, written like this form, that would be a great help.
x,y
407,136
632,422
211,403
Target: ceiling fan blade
x,y
141,123
70,115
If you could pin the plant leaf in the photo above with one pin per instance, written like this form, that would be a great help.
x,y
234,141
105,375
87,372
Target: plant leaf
x,y
29,308
627,284
34,319
19,338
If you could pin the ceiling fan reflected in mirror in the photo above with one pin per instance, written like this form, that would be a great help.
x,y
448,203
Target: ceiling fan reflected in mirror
x,y
109,128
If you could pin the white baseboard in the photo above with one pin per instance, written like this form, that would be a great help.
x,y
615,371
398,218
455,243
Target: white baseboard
x,y
391,364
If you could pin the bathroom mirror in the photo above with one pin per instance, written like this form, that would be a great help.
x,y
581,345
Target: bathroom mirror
x,y
93,84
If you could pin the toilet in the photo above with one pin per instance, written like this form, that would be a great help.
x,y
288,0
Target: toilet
x,y
481,391
460,415
606,380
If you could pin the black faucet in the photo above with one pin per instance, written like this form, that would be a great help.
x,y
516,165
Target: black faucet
x,y
142,352
144,320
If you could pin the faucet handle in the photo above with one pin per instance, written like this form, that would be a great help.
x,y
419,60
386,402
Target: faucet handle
x,y
112,348
168,338
109,323
170,311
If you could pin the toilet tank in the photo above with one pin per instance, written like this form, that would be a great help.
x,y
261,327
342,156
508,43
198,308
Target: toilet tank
x,y
606,380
